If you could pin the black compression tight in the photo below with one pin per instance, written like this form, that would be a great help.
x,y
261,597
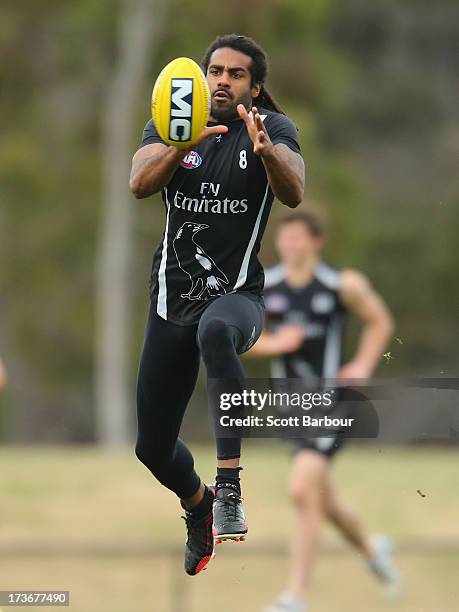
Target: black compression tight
x,y
168,372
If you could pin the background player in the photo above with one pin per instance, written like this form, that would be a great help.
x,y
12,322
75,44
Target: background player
x,y
206,280
306,305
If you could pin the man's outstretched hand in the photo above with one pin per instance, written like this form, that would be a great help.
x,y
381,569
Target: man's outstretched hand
x,y
262,144
215,130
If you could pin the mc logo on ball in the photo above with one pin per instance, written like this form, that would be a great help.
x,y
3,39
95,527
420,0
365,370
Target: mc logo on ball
x,y
181,113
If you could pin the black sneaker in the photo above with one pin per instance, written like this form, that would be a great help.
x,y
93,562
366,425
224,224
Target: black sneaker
x,y
199,545
229,519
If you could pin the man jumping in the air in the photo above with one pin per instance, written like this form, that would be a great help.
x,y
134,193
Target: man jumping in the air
x,y
245,156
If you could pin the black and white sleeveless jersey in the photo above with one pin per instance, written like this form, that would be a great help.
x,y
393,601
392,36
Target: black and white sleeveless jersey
x,y
317,307
217,205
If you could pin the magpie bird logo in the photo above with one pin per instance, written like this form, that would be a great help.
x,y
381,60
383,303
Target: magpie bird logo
x,y
207,280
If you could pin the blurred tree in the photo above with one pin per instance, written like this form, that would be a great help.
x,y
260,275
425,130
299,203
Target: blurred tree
x,y
140,32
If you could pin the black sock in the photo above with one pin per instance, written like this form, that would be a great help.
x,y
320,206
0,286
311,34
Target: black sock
x,y
204,507
228,476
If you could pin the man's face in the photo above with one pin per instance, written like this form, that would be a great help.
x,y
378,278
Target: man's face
x,y
295,243
229,79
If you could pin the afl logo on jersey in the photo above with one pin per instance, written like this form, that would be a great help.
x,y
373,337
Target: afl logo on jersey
x,y
276,303
322,303
191,161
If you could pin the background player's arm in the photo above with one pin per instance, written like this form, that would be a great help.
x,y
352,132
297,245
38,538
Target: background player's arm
x,y
362,300
2,375
284,167
154,165
286,339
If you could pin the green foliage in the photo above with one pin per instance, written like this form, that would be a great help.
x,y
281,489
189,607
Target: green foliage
x,y
371,86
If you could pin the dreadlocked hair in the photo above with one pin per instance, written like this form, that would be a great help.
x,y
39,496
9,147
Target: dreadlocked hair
x,y
258,69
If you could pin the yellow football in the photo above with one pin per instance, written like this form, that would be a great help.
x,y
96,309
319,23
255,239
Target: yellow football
x,y
180,103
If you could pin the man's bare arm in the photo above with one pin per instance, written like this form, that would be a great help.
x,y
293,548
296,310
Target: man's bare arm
x,y
284,167
154,165
2,375
362,300
285,171
287,338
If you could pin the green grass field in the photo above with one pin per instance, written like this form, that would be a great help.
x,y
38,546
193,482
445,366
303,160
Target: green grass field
x,y
97,524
